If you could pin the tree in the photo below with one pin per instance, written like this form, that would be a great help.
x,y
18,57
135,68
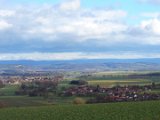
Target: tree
x,y
78,82
1,84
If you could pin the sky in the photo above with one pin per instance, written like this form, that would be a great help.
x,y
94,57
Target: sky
x,y
79,29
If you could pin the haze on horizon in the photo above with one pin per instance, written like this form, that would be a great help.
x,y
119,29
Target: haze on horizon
x,y
79,29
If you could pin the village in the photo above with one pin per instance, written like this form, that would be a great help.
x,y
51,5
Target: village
x,y
114,94
43,85
18,80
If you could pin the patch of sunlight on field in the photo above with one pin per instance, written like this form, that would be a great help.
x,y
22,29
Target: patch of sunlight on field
x,y
114,73
122,72
118,82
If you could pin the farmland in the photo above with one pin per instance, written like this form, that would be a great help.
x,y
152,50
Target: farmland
x,y
103,79
113,111
109,83
57,106
112,78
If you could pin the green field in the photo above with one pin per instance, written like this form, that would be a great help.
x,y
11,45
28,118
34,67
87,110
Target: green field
x,y
8,90
23,101
108,83
8,97
113,111
124,75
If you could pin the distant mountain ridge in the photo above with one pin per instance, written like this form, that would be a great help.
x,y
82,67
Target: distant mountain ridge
x,y
81,65
41,62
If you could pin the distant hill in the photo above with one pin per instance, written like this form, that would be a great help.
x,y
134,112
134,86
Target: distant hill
x,y
32,62
81,65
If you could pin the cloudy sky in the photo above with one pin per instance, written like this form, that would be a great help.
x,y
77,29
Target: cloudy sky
x,y
79,29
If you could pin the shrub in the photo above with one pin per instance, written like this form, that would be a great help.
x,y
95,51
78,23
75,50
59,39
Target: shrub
x,y
79,101
78,82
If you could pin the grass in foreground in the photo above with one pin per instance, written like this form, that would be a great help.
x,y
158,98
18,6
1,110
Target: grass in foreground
x,y
113,111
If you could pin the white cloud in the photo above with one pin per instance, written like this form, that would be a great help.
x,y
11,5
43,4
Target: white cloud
x,y
151,14
76,55
69,23
147,32
70,5
151,26
6,13
51,23
67,20
4,25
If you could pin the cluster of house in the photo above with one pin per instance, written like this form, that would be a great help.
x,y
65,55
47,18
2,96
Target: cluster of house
x,y
114,94
15,80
